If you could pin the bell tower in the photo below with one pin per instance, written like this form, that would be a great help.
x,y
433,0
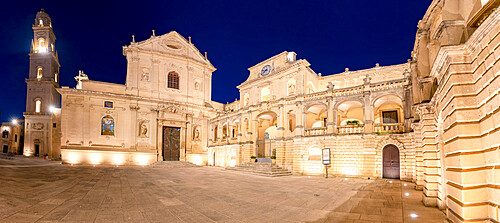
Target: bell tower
x,y
42,98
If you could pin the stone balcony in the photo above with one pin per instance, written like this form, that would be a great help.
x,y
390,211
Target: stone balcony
x,y
315,131
350,129
389,128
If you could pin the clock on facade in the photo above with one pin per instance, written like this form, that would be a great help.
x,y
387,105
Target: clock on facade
x,y
265,70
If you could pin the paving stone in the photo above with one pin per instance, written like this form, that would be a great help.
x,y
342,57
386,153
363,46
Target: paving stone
x,y
32,192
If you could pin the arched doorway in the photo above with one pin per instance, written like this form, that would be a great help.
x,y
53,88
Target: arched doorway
x,y
390,156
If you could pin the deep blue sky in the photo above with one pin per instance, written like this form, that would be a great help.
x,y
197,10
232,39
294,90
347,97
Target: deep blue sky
x,y
331,35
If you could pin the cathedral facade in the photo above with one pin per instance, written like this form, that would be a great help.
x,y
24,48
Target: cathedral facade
x,y
433,120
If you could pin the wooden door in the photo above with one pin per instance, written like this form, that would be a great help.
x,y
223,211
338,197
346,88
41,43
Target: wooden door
x,y
171,143
37,149
391,162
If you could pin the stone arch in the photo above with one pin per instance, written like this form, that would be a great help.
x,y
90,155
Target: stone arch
x,y
336,106
389,140
374,99
315,114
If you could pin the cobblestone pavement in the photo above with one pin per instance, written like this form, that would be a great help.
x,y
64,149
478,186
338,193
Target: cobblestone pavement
x,y
33,192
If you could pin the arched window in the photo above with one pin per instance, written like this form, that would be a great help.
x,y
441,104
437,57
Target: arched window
x,y
173,80
5,134
39,73
38,106
41,22
107,125
56,77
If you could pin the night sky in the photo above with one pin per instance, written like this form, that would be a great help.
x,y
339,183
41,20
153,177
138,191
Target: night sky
x,y
331,35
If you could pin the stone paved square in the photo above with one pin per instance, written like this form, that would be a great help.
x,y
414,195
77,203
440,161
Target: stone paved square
x,y
34,190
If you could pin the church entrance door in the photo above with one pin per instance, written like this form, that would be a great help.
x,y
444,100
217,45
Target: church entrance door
x,y
391,162
171,143
37,149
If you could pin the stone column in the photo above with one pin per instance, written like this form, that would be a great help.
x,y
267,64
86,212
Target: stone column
x,y
329,116
431,163
281,122
300,126
368,113
154,78
368,106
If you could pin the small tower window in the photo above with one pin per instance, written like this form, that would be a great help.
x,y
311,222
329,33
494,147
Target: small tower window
x,y
39,73
38,106
173,80
41,22
56,77
5,134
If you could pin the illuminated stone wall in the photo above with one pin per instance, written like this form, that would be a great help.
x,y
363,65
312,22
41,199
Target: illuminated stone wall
x,y
455,76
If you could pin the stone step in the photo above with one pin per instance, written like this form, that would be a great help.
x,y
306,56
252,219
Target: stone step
x,y
174,164
263,169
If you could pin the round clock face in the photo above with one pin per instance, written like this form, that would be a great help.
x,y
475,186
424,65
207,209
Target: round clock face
x,y
266,70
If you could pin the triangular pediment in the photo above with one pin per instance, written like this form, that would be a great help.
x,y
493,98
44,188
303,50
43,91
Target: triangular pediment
x,y
172,44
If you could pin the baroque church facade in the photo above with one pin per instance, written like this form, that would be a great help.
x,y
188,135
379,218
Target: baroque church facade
x,y
433,120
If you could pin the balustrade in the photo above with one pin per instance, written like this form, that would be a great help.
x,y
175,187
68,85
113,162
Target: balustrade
x,y
389,128
315,131
350,129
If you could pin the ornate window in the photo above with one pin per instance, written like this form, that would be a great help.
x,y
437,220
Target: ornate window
x,y
107,125
265,94
173,80
108,104
38,106
41,46
5,134
39,73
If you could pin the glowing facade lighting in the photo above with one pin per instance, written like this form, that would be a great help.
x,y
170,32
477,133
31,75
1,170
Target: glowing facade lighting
x,y
413,215
407,194
52,109
14,121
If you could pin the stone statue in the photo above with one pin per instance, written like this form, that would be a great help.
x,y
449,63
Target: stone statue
x,y
145,75
196,134
330,86
143,131
247,101
291,88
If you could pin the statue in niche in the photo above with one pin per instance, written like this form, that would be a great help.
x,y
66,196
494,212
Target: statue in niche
x,y
145,75
143,129
291,87
196,134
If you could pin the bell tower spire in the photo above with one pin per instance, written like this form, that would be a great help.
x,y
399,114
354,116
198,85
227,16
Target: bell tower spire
x,y
42,97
